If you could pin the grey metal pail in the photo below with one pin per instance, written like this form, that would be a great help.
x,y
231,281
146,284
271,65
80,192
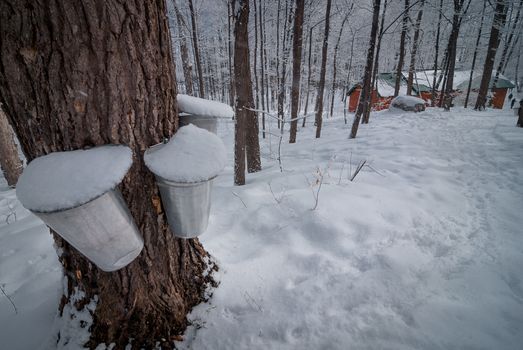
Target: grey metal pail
x,y
102,229
187,206
208,123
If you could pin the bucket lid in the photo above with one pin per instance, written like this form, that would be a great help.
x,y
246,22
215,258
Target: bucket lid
x,y
64,180
192,155
202,107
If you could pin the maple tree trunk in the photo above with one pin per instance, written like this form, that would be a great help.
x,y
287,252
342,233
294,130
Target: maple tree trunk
x,y
434,88
365,95
508,41
246,129
497,24
9,159
196,50
309,66
297,44
475,55
414,52
184,51
401,58
68,82
334,64
262,64
321,86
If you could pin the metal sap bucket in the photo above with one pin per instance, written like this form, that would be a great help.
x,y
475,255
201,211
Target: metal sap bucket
x,y
102,229
187,206
205,122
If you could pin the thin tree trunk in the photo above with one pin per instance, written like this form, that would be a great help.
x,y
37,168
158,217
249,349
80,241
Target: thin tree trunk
x,y
321,86
414,52
9,159
56,100
262,64
478,39
309,66
375,71
497,25
230,24
506,47
297,44
186,65
277,54
285,59
452,50
365,96
246,130
255,68
401,57
196,50
334,63
434,89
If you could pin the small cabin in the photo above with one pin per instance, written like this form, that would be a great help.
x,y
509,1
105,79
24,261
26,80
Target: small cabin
x,y
383,92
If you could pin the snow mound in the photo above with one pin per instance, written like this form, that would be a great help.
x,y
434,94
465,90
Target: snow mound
x,y
408,103
203,107
63,180
192,155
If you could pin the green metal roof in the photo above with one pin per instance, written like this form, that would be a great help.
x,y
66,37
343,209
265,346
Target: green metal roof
x,y
502,83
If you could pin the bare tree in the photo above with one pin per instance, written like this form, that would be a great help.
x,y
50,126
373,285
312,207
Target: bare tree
x,y
246,127
474,56
297,45
436,52
196,50
497,24
365,96
401,56
508,41
184,51
414,51
321,85
335,59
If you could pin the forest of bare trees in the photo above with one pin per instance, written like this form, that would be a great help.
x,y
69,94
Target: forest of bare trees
x,y
289,64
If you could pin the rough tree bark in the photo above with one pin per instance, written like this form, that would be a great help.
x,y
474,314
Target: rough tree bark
x,y
309,73
67,82
9,159
414,52
246,138
434,89
335,60
184,51
365,96
262,64
197,57
459,12
475,55
508,41
230,24
285,59
497,24
375,69
321,85
297,45
401,57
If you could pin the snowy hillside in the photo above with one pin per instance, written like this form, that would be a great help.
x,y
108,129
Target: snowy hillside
x,y
423,250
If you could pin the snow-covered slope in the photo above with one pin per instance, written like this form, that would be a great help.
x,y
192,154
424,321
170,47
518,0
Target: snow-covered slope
x,y
423,252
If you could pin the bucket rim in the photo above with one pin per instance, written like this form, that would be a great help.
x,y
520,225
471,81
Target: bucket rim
x,y
115,189
164,181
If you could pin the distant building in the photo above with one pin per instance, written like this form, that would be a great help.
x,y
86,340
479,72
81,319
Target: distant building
x,y
383,93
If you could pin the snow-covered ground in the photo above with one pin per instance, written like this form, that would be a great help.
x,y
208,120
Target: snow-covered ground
x,y
423,250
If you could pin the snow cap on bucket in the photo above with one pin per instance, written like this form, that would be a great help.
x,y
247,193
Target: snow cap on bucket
x,y
192,155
